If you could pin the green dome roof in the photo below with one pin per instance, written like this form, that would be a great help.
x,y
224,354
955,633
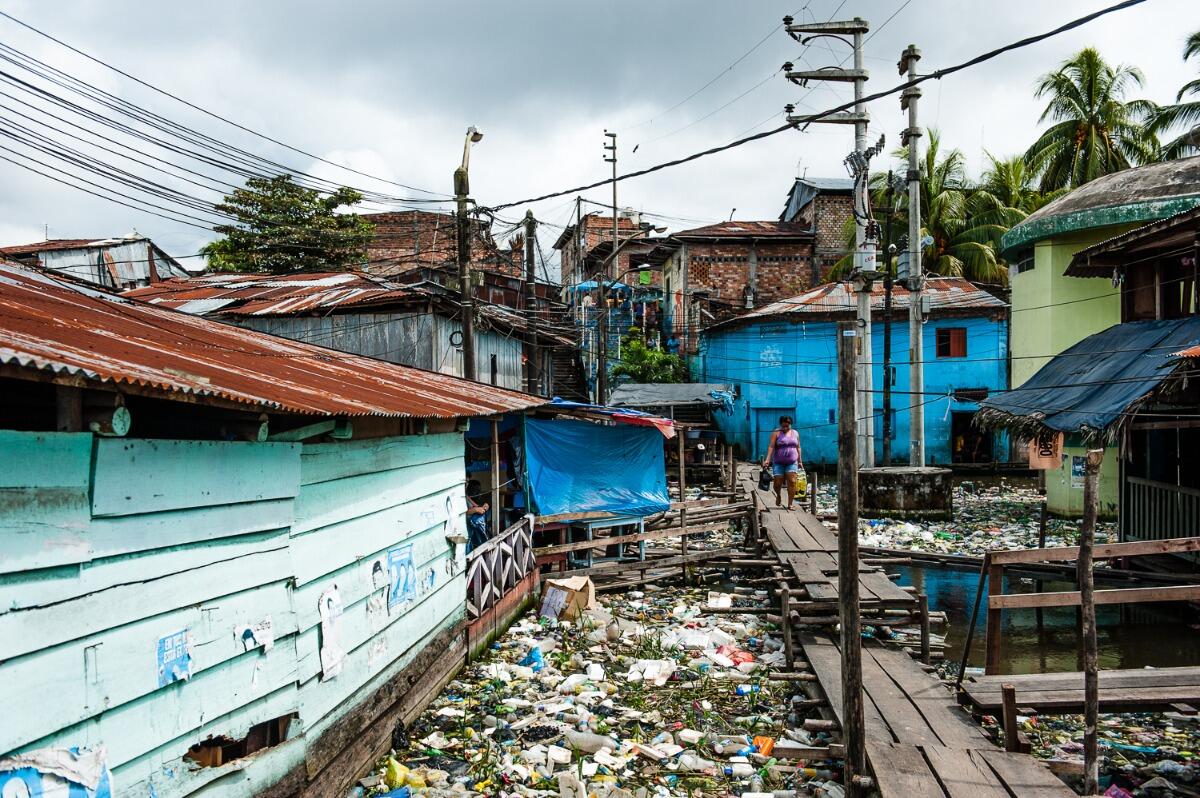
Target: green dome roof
x,y
1135,195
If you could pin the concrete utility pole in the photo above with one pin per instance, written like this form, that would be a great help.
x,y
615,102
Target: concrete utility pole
x,y
533,366
466,291
916,280
858,163
864,246
602,366
853,724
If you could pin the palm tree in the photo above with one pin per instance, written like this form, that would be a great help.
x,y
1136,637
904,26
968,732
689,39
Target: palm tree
x,y
1011,183
964,221
1182,113
1095,131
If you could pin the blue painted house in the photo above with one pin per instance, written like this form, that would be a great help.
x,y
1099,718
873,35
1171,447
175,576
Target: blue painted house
x,y
782,360
229,563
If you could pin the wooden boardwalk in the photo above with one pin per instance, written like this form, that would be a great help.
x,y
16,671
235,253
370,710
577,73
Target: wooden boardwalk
x,y
1142,690
920,743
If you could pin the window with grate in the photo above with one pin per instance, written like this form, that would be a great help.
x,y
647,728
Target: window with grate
x,y
952,342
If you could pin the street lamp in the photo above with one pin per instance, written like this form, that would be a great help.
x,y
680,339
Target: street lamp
x,y
602,283
466,293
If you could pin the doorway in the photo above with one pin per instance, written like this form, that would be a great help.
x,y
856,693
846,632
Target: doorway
x,y
968,443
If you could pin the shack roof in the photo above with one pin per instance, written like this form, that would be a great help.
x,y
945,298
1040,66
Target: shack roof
x,y
275,295
747,229
641,394
948,296
1154,191
52,328
1142,245
1091,387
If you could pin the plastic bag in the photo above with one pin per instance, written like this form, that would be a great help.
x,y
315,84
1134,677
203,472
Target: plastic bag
x,y
764,479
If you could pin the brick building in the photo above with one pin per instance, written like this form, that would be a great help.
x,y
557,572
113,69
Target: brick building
x,y
577,246
713,273
408,240
824,206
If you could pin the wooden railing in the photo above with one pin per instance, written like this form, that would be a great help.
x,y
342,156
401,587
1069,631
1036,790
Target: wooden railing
x,y
1156,510
498,566
995,562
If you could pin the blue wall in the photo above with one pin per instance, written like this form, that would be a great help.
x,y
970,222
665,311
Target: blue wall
x,y
790,367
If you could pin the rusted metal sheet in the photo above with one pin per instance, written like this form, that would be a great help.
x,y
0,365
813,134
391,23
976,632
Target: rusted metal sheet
x,y
274,295
834,299
52,325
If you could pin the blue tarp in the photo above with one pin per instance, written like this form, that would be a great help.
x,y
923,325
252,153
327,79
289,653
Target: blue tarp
x,y
1089,386
581,467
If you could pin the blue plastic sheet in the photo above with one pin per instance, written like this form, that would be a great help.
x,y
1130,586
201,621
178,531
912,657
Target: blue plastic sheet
x,y
580,467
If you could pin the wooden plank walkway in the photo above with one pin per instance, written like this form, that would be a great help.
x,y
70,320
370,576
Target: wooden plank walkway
x,y
1142,690
920,743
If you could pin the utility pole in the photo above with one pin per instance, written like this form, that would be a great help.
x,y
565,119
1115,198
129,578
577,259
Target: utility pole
x,y
916,371
1087,602
533,366
602,277
858,163
466,291
853,725
888,249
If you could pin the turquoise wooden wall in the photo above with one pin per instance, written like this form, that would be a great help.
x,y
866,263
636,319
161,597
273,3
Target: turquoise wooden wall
x,y
108,545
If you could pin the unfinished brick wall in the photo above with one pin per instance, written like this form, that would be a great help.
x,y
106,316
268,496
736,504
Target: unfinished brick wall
x,y
831,211
406,240
784,269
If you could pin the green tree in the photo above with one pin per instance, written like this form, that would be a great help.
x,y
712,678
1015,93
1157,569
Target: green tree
x,y
284,228
1095,130
1183,114
641,363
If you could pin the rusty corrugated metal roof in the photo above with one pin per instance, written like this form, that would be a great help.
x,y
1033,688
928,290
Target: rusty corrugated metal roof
x,y
1191,351
833,299
273,295
748,229
50,324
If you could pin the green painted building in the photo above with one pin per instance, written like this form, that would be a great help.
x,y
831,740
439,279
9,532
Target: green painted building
x,y
1052,311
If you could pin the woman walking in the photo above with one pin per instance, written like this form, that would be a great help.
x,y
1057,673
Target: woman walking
x,y
783,456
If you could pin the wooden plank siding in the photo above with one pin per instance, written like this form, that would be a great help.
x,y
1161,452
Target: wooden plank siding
x,y
108,544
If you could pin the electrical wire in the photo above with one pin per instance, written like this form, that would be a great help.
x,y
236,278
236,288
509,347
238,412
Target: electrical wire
x,y
936,75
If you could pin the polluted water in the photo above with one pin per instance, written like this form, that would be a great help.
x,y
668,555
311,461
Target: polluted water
x,y
641,694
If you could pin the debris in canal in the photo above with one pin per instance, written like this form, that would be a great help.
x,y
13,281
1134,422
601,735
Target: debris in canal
x,y
646,694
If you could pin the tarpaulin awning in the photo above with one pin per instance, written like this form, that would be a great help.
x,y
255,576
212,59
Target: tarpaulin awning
x,y
1088,388
580,467
648,394
621,415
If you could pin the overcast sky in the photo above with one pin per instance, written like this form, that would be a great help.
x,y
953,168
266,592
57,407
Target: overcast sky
x,y
389,88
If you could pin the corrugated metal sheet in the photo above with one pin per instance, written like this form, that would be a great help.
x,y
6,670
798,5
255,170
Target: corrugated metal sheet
x,y
747,229
48,324
276,295
833,299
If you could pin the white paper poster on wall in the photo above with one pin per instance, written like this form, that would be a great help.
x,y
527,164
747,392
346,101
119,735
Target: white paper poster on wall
x,y
332,655
255,635
402,575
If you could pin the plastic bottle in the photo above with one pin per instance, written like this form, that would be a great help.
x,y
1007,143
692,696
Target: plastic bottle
x,y
587,742
747,689
739,770
692,763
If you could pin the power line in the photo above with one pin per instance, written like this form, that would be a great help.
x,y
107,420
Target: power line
x,y
938,75
205,111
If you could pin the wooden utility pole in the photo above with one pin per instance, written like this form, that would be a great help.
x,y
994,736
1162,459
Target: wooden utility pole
x,y
533,370
683,541
1087,600
466,291
853,727
602,277
495,478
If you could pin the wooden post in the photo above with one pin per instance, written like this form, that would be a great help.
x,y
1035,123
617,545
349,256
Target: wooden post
x,y
68,403
853,727
812,492
1041,542
683,541
785,621
1087,598
1013,739
992,632
495,478
732,468
923,609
